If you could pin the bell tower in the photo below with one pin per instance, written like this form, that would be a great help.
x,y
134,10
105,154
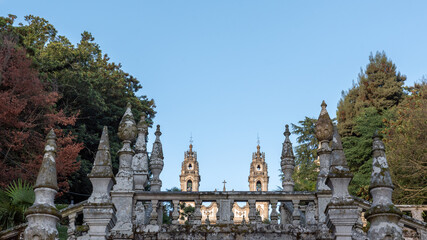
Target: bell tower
x,y
190,177
258,175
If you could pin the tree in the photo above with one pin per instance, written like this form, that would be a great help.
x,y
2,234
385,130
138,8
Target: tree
x,y
27,111
88,84
306,169
362,110
406,145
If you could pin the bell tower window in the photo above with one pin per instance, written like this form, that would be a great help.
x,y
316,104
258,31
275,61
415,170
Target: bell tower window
x,y
258,186
258,167
190,166
189,186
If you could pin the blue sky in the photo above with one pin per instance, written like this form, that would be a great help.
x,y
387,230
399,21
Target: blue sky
x,y
224,71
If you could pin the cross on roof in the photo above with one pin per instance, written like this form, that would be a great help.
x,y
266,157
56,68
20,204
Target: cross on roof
x,y
224,185
191,138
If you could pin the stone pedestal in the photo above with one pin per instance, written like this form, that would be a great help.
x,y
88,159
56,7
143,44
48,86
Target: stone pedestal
x,y
342,220
100,218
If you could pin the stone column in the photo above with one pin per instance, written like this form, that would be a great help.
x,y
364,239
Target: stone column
x,y
324,133
287,163
197,213
156,162
99,211
296,215
382,215
140,159
252,211
43,216
274,214
175,213
342,212
122,194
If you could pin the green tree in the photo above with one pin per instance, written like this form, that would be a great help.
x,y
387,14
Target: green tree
x,y
89,85
306,168
406,145
362,110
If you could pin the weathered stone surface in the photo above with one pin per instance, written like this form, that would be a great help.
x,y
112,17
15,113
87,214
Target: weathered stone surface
x,y
140,159
156,162
43,216
382,215
287,162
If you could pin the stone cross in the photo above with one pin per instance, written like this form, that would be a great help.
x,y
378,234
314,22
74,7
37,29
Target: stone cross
x,y
224,185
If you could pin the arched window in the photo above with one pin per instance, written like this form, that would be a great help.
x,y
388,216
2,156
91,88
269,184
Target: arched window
x,y
258,167
190,166
258,186
189,186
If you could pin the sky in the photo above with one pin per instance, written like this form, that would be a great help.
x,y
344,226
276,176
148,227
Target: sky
x,y
226,71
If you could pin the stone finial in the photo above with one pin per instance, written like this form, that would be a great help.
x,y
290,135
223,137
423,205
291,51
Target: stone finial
x,y
102,164
156,161
339,166
383,214
324,127
127,127
380,171
140,159
287,162
47,173
43,216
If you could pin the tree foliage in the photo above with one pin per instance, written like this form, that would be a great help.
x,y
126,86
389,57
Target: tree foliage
x,y
27,111
306,169
362,110
88,84
406,142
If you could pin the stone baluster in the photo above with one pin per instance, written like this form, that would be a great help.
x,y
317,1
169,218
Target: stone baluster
x,y
156,162
43,216
252,211
71,231
197,213
342,212
122,194
310,214
287,163
383,214
154,215
324,133
99,211
175,213
218,213
285,214
274,214
296,215
139,214
231,211
140,159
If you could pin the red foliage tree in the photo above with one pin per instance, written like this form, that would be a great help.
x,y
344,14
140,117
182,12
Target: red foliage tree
x,y
27,112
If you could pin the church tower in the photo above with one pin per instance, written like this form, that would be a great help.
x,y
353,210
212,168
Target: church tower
x,y
258,175
190,177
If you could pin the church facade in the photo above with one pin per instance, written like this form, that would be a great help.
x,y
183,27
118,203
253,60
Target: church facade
x,y
258,181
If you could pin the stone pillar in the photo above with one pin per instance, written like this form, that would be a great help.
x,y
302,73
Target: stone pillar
x,y
99,211
274,214
382,215
43,216
342,212
252,211
287,163
122,194
156,162
140,159
324,133
197,212
175,213
296,215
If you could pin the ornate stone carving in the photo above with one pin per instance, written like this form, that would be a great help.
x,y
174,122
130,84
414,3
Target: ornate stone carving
x,y
140,159
287,163
156,162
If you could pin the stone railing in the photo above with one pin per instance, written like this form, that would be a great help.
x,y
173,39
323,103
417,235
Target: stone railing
x,y
411,225
71,213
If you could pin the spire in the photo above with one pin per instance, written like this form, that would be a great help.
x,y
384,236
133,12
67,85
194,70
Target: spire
x,y
338,160
380,171
102,164
324,127
288,162
383,214
43,216
127,127
156,161
140,159
47,173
